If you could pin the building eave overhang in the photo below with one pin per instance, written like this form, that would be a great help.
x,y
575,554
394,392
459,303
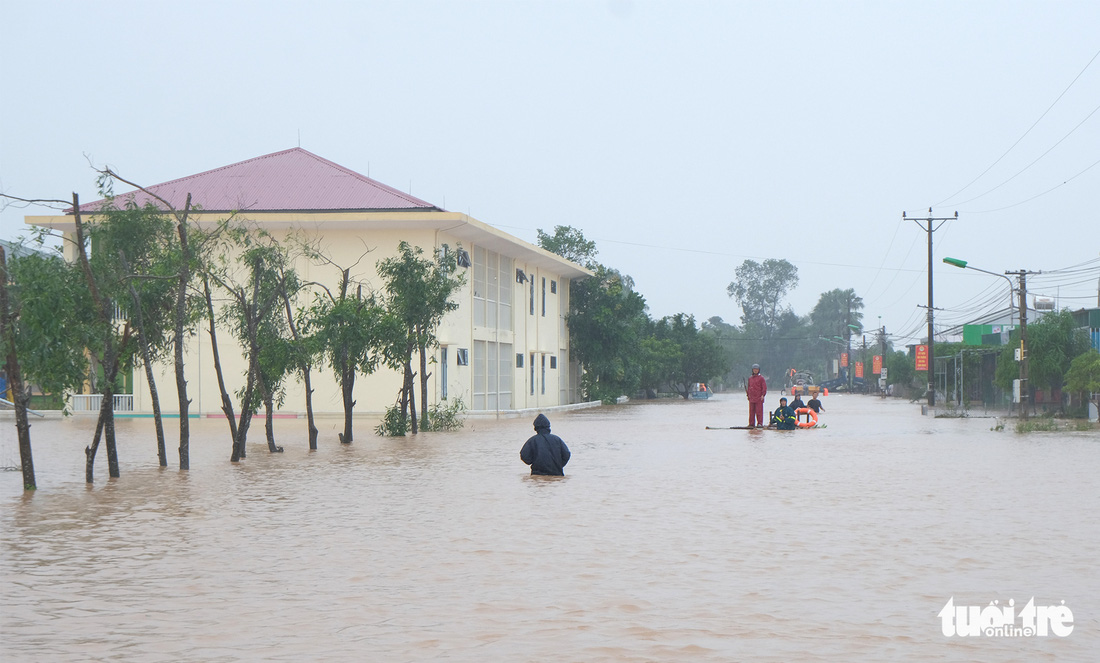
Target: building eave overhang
x,y
462,227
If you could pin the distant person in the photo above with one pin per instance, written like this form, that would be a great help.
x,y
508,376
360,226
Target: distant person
x,y
544,451
756,390
797,405
784,417
815,405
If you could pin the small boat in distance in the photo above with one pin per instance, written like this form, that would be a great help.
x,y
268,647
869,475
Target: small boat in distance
x,y
699,390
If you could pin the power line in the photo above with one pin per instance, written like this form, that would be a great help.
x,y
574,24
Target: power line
x,y
981,195
986,211
1011,147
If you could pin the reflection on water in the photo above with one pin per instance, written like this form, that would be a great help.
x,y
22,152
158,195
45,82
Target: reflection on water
x,y
664,542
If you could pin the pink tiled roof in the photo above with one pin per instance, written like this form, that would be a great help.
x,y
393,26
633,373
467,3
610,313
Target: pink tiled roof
x,y
291,180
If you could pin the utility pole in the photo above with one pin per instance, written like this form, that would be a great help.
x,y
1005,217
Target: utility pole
x,y
882,353
1025,388
931,228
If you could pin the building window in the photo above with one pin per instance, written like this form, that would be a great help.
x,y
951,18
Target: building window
x,y
492,290
553,362
492,387
553,287
463,357
532,365
532,281
542,389
519,360
544,296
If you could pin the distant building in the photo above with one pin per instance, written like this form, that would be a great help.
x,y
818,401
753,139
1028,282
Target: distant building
x,y
505,349
1089,319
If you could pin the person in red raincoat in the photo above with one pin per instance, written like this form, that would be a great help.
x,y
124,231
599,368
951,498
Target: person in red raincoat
x,y
756,389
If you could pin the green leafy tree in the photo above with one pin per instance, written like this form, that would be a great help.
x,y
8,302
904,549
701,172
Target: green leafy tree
x,y
701,357
731,339
133,256
253,270
1083,376
354,331
303,349
835,312
659,358
419,293
109,345
186,256
759,289
607,320
44,306
569,243
1053,342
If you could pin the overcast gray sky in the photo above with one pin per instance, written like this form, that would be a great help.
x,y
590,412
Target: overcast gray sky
x,y
682,137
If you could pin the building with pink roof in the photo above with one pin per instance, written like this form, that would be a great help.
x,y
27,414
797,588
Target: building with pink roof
x,y
505,350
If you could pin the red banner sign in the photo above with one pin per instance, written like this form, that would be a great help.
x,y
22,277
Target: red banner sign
x,y
876,365
859,369
844,359
922,358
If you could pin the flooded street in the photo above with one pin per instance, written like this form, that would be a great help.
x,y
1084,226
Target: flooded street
x,y
664,542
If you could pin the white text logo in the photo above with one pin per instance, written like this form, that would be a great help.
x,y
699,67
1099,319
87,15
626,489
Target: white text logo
x,y
997,621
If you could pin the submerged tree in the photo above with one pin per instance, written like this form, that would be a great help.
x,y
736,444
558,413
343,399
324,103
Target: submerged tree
x,y
418,295
1083,376
43,309
184,313
353,329
701,359
607,322
255,293
138,239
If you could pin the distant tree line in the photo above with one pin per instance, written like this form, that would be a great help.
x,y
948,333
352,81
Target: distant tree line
x,y
625,352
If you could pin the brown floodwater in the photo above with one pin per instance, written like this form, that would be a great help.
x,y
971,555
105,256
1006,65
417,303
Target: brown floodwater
x,y
665,541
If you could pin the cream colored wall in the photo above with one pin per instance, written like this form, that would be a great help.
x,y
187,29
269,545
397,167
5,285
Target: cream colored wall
x,y
347,246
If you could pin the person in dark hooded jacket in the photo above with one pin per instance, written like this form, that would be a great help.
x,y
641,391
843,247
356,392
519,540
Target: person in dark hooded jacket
x,y
544,451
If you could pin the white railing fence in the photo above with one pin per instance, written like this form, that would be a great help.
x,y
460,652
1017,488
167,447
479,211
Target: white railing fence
x,y
92,402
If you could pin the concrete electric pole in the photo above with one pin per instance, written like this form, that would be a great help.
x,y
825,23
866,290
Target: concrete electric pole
x,y
930,228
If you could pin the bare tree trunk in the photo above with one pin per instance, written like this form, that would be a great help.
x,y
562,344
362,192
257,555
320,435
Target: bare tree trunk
x,y
105,426
347,387
227,403
107,407
269,423
247,408
146,358
178,339
111,355
412,402
90,451
305,377
20,395
408,394
424,375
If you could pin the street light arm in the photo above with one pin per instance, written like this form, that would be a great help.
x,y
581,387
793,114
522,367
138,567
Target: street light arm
x,y
962,264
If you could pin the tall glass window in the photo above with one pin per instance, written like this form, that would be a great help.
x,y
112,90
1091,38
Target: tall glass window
x,y
492,376
492,287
